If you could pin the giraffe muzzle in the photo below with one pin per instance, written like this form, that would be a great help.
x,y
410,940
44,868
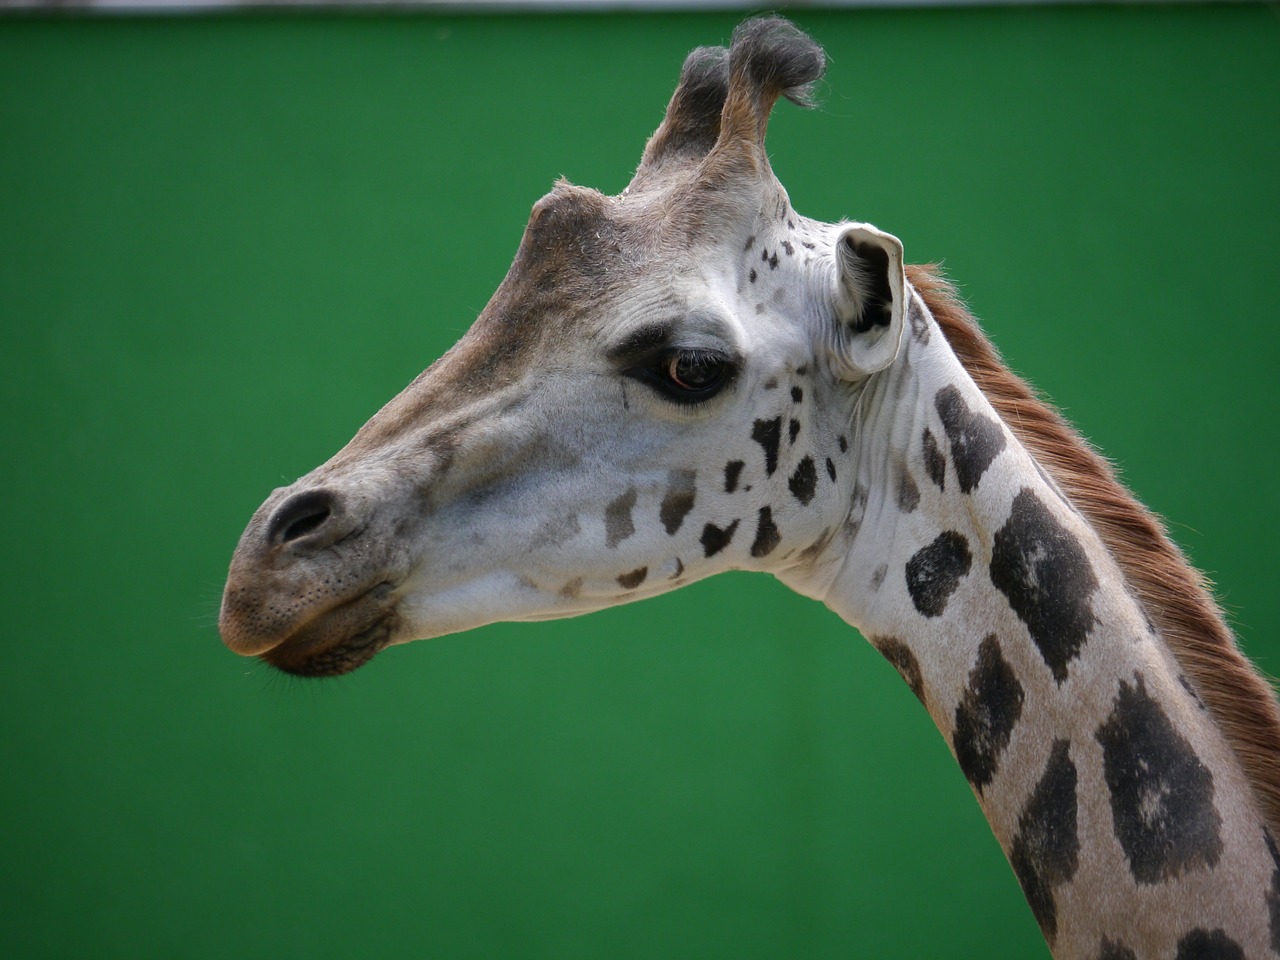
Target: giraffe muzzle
x,y
308,590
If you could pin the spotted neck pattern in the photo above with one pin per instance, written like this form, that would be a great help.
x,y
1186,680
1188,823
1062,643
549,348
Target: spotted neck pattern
x,y
1123,812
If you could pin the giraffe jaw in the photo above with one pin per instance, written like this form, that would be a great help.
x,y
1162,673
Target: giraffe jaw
x,y
341,639
305,592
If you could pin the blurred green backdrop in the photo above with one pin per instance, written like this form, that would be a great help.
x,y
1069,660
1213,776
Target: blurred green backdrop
x,y
225,242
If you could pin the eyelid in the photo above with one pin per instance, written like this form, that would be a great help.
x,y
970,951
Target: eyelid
x,y
643,342
697,330
651,372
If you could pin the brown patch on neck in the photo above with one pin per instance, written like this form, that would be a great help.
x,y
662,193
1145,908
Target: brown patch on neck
x,y
1174,595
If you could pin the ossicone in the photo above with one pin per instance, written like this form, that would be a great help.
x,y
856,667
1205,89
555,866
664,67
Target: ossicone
x,y
724,96
692,122
772,57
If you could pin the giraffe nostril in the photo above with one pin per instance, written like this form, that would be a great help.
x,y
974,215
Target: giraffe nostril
x,y
301,515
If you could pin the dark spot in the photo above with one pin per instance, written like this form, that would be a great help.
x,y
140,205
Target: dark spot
x,y
768,433
804,481
732,469
1161,794
1043,571
808,245
714,539
903,660
987,714
936,570
793,430
908,492
751,242
1045,851
878,575
797,394
831,470
844,444
802,370
976,439
751,277
572,589
1203,944
1273,895
935,461
555,531
788,248
617,518
919,325
678,500
771,383
767,535
629,581
773,260
1110,950
791,225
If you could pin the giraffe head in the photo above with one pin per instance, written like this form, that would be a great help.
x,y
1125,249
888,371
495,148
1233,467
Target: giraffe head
x,y
661,388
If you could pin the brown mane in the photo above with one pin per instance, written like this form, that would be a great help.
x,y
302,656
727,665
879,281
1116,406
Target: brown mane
x,y
1175,595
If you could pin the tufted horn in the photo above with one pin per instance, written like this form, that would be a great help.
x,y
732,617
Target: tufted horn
x,y
692,122
770,57
724,97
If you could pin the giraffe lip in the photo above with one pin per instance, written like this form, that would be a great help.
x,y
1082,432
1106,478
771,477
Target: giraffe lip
x,y
341,639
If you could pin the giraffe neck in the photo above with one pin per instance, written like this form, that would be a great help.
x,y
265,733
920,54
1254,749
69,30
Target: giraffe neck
x,y
1123,810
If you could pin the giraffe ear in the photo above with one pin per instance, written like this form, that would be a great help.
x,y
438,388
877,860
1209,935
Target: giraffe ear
x,y
869,298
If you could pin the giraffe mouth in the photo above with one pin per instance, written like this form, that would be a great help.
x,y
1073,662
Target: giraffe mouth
x,y
341,639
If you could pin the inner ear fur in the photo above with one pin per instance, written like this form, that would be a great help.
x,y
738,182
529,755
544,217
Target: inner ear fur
x,y
870,299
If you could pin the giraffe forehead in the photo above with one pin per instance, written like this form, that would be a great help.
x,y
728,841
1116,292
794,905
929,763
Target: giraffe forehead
x,y
593,270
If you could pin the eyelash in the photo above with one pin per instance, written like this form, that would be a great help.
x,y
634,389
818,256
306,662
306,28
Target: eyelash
x,y
676,374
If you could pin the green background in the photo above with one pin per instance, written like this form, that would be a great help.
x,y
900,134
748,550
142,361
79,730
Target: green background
x,y
225,242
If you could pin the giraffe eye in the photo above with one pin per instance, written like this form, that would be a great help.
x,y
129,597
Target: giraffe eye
x,y
687,376
695,372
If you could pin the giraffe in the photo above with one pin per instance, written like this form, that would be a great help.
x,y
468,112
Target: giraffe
x,y
692,377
